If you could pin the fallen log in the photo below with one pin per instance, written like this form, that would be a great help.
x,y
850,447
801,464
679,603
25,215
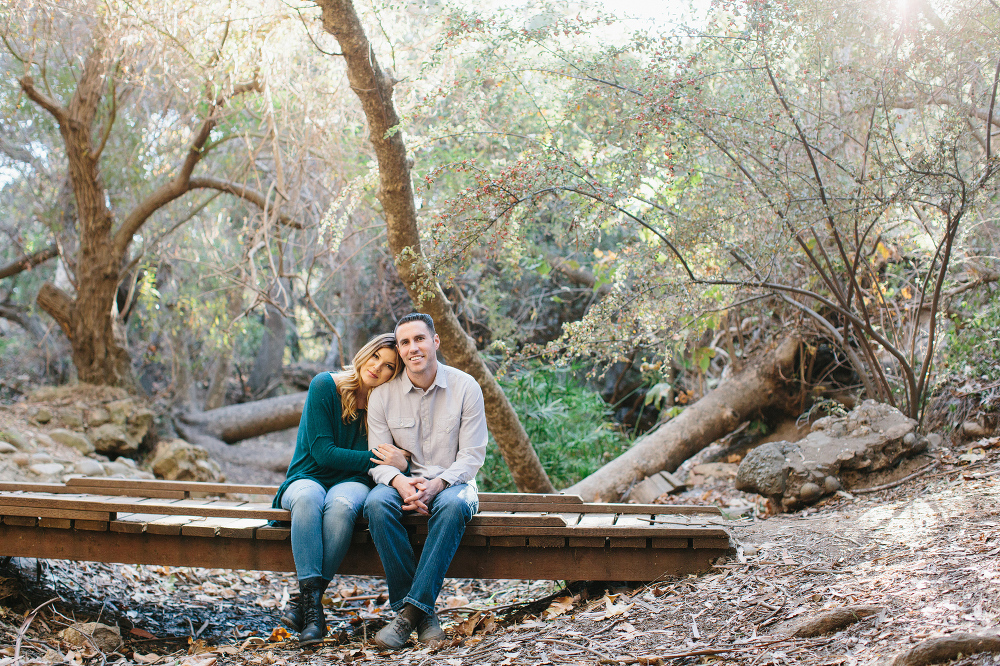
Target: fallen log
x,y
762,383
827,621
235,423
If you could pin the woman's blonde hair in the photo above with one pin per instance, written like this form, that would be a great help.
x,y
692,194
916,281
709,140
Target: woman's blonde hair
x,y
349,380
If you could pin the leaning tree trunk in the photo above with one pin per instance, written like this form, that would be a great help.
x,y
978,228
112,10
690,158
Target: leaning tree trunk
x,y
759,385
374,89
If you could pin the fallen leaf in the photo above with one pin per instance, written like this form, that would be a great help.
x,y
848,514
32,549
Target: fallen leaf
x,y
140,633
559,606
612,609
456,602
204,659
279,634
145,658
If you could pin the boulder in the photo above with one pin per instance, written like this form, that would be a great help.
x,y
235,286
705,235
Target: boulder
x,y
112,439
839,451
72,439
176,460
97,416
71,417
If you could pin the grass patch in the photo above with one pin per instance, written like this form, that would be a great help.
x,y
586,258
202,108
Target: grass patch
x,y
569,425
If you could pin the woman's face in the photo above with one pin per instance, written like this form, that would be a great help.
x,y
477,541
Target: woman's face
x,y
379,368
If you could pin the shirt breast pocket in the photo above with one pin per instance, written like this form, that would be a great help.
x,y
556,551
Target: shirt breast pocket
x,y
404,432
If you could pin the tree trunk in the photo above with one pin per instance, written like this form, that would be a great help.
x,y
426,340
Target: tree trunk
x,y
224,362
266,374
374,89
235,423
759,385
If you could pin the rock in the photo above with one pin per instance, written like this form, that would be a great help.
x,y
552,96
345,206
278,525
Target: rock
x,y
91,635
794,474
128,462
934,440
6,447
810,492
117,469
98,417
111,438
47,469
21,459
41,457
43,440
42,414
72,439
118,411
975,430
16,438
70,417
716,470
177,460
88,467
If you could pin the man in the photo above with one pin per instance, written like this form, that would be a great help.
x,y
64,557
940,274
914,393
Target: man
x,y
436,413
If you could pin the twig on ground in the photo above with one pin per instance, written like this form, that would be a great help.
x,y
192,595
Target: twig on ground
x,y
898,482
24,627
576,645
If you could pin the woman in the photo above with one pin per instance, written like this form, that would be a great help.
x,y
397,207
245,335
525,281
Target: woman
x,y
327,480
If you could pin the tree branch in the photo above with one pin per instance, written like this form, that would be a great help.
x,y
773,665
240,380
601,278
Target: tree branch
x,y
28,261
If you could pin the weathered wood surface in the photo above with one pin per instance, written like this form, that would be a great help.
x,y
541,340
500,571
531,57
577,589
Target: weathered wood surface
x,y
515,535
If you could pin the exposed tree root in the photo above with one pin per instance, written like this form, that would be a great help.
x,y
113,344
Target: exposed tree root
x,y
826,621
946,648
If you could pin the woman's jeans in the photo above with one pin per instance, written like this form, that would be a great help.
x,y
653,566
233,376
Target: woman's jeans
x,y
322,524
412,582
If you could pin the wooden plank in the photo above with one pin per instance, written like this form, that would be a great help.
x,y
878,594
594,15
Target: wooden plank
x,y
62,489
474,540
586,542
661,542
132,523
508,541
240,528
530,497
628,542
205,527
21,521
362,559
162,506
55,523
47,512
184,486
546,542
273,533
92,525
644,532
168,525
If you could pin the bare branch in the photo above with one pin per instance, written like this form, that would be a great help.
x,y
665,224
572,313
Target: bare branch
x,y
28,261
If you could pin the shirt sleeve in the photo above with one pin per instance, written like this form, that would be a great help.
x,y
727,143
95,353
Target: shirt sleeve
x,y
378,433
472,438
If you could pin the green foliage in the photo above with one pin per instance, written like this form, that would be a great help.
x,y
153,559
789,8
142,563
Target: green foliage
x,y
972,347
567,423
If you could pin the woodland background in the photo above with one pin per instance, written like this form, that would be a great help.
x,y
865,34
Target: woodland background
x,y
207,203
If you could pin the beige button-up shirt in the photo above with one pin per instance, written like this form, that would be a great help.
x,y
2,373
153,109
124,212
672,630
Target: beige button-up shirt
x,y
444,427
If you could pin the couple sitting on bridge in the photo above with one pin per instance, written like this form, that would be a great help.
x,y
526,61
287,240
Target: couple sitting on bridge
x,y
425,441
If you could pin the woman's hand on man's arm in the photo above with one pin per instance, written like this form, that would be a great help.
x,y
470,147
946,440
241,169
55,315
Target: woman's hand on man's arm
x,y
387,454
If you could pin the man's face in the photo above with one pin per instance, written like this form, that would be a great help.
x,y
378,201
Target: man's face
x,y
417,347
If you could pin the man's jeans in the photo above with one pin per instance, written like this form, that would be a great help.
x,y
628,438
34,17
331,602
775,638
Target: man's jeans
x,y
322,524
412,582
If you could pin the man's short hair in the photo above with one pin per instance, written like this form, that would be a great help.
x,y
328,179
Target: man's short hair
x,y
416,316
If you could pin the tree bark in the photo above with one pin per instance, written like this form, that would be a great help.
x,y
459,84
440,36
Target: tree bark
x,y
216,396
374,90
28,261
760,384
266,374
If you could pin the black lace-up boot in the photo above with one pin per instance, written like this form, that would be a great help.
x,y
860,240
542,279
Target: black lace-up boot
x,y
313,621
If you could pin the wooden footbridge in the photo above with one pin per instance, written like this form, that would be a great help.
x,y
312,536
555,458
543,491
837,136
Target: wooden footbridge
x,y
181,523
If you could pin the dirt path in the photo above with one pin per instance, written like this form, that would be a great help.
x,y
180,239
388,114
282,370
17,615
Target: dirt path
x,y
924,555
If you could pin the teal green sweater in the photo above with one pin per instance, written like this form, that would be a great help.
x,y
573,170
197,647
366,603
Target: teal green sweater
x,y
327,450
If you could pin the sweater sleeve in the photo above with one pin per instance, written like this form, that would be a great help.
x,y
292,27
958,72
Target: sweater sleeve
x,y
328,431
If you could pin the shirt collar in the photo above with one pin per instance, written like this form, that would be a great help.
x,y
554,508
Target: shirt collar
x,y
440,380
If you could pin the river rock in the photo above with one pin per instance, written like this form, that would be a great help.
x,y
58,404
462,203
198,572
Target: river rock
x,y
17,438
71,417
72,439
88,467
177,460
41,457
6,447
42,414
47,469
838,451
97,416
